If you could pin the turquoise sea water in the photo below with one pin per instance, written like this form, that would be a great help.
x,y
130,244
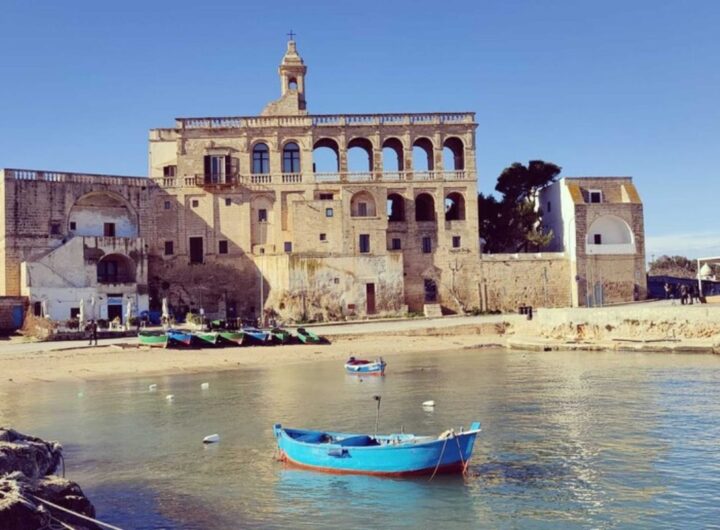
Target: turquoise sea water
x,y
570,440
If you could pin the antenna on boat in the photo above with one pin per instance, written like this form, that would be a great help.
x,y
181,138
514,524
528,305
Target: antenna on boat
x,y
377,416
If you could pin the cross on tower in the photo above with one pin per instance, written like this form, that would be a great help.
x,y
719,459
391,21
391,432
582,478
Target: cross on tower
x,y
291,35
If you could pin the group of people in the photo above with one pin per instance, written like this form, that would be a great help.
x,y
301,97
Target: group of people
x,y
687,295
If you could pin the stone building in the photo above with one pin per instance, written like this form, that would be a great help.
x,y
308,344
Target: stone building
x,y
598,224
308,215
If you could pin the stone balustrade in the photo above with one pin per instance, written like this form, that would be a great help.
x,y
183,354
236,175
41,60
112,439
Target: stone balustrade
x,y
79,178
326,120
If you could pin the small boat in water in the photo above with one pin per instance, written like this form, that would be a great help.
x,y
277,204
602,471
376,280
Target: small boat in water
x,y
308,337
234,338
365,367
386,455
179,337
154,339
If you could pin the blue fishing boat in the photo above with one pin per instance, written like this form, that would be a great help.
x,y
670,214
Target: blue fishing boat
x,y
255,336
365,367
179,337
385,455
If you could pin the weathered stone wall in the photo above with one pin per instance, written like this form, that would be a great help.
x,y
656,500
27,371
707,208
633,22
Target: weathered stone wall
x,y
507,281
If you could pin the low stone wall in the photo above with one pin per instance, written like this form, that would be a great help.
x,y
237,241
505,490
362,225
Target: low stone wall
x,y
510,280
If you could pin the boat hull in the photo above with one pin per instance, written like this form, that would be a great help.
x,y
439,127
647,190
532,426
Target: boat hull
x,y
179,338
423,456
153,340
232,337
373,368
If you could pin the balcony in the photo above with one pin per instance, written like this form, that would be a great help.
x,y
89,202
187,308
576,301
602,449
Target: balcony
x,y
266,179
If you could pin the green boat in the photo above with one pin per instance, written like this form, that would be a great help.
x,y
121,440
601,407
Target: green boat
x,y
308,337
154,339
207,337
233,337
281,336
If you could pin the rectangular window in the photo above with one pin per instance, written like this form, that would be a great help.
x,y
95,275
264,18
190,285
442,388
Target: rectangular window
x,y
169,248
55,229
195,203
261,159
323,237
395,244
222,247
196,250
217,170
291,158
109,229
228,201
427,245
595,196
168,205
364,243
362,209
73,225
262,215
288,246
326,196
169,171
597,238
549,207
328,212
456,241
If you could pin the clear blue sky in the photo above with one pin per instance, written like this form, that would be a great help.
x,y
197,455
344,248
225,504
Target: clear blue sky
x,y
600,88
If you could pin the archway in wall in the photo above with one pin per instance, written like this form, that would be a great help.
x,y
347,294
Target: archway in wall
x,y
423,155
393,155
360,155
455,207
115,268
395,208
260,159
101,214
362,204
453,154
326,156
609,230
424,207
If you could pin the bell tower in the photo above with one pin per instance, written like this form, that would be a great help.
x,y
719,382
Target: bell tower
x,y
292,72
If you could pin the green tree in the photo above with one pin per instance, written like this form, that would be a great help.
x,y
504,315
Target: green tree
x,y
678,266
512,224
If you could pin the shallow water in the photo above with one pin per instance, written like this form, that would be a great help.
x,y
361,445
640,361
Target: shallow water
x,y
570,440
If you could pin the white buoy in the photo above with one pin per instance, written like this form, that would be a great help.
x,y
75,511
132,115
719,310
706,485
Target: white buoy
x,y
81,394
211,439
152,388
428,404
170,397
205,386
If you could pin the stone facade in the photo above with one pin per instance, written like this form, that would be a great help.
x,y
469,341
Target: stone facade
x,y
237,214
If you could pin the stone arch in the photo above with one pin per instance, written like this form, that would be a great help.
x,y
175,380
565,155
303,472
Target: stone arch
x,y
393,150
612,230
260,162
103,213
291,157
323,151
455,206
395,207
356,161
453,154
424,207
362,204
423,159
115,268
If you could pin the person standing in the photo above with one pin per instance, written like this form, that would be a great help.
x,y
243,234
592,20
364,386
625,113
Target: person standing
x,y
683,294
667,290
92,332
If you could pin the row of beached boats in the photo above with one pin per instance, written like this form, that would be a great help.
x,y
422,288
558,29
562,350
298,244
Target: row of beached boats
x,y
183,338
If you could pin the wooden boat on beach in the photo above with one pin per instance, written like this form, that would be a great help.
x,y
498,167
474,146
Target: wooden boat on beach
x,y
179,337
153,339
234,338
207,337
364,367
308,337
385,455
255,336
281,336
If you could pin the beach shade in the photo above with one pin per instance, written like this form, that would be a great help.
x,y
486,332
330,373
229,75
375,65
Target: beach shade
x,y
44,309
81,313
128,313
92,307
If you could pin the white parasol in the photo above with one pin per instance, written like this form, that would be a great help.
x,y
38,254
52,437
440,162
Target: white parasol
x,y
81,313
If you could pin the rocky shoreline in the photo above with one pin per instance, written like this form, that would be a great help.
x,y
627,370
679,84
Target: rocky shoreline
x,y
27,467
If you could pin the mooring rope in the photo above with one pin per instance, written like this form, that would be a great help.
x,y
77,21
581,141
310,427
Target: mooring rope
x,y
76,514
437,466
462,460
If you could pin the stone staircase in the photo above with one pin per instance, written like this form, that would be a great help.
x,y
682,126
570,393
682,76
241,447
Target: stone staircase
x,y
432,310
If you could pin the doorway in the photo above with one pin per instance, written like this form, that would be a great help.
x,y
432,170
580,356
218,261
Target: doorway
x,y
370,298
430,291
196,250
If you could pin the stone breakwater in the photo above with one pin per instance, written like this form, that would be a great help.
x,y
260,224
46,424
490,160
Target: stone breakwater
x,y
27,465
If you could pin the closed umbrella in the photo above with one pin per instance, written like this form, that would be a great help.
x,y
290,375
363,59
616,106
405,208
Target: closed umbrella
x,y
165,312
92,307
128,313
81,314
